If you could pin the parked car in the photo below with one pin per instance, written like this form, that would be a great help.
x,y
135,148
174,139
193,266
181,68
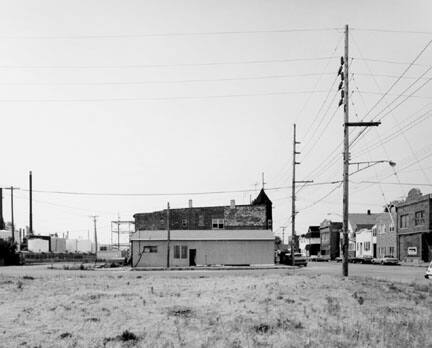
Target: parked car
x,y
428,274
366,259
317,258
339,259
389,260
299,259
375,261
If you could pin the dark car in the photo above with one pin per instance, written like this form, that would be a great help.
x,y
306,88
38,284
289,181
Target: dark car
x,y
367,259
428,274
299,259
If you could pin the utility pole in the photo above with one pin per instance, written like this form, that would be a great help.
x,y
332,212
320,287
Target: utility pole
x,y
293,196
283,234
94,217
168,235
118,231
31,204
2,224
344,72
12,210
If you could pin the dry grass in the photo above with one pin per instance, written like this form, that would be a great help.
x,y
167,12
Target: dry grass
x,y
55,308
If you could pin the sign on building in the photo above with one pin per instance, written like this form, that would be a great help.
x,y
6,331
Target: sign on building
x,y
412,251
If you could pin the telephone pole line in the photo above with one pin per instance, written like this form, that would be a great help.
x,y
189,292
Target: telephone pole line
x,y
168,235
344,72
293,196
12,210
31,204
94,217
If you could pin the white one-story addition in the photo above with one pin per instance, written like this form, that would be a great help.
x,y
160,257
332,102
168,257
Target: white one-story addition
x,y
204,236
202,247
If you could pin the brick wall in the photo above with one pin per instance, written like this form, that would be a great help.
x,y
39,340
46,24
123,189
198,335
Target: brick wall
x,y
386,238
200,218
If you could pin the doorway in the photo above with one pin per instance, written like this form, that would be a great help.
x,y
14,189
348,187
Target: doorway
x,y
192,257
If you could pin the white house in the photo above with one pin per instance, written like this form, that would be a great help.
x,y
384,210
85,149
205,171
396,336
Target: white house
x,y
365,243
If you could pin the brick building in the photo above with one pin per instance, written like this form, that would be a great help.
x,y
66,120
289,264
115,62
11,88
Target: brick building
x,y
330,239
386,233
234,234
414,227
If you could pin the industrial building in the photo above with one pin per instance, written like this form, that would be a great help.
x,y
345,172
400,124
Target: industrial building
x,y
198,236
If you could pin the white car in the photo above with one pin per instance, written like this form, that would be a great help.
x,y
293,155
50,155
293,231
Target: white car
x,y
428,274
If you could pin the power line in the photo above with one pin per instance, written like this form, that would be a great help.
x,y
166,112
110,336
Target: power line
x,y
104,194
132,36
394,31
132,99
133,83
136,66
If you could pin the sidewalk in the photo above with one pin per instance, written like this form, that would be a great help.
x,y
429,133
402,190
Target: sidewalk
x,y
415,264
214,268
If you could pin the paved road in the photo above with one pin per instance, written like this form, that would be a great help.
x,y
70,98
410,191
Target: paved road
x,y
404,274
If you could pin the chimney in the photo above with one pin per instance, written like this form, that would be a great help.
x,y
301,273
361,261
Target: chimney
x,y
190,203
232,204
368,212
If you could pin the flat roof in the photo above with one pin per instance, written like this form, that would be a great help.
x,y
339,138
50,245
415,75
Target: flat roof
x,y
162,235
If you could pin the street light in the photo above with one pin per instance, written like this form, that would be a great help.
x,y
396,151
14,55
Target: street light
x,y
368,164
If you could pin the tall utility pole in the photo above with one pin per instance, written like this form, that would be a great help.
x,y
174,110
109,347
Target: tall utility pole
x,y
346,154
283,234
118,231
168,235
12,210
2,224
94,217
345,158
293,196
31,203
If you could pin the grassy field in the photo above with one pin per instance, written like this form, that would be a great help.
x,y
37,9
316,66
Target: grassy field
x,y
289,308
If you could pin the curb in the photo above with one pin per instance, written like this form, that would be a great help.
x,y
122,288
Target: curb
x,y
215,268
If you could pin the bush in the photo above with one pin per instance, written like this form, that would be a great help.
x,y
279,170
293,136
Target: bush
x,y
8,254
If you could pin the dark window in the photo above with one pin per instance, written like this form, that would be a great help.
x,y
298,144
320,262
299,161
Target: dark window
x,y
150,249
217,224
176,251
184,250
419,218
184,223
403,223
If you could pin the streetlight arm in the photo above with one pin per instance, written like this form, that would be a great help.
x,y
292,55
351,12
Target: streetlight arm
x,y
369,164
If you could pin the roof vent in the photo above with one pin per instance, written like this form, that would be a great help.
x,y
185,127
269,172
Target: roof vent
x,y
232,204
190,203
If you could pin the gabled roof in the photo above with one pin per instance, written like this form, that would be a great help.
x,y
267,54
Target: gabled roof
x,y
262,198
360,220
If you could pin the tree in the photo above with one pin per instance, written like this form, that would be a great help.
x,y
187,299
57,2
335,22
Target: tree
x,y
8,254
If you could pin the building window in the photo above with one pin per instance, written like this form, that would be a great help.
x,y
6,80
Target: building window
x,y
269,224
201,221
176,251
391,251
184,250
217,224
150,249
403,223
367,246
419,218
184,223
391,228
180,251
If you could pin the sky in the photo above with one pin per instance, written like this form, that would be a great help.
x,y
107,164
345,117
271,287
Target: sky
x,y
169,97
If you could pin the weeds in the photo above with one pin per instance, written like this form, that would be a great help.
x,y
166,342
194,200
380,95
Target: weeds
x,y
183,312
